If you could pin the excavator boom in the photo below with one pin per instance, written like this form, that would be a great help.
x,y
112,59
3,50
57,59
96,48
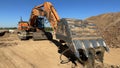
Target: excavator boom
x,y
47,10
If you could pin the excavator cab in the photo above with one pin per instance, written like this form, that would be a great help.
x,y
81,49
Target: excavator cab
x,y
23,25
39,22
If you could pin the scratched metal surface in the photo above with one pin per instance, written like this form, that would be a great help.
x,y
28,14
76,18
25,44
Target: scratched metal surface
x,y
82,34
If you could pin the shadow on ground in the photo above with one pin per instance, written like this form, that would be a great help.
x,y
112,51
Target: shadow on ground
x,y
63,50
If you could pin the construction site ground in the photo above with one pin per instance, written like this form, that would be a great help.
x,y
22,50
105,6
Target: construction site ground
x,y
15,53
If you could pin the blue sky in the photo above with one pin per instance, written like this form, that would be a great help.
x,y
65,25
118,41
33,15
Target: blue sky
x,y
12,10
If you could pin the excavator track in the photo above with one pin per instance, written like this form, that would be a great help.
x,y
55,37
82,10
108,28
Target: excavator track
x,y
83,39
42,36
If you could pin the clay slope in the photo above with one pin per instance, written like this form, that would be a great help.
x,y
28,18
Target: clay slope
x,y
109,27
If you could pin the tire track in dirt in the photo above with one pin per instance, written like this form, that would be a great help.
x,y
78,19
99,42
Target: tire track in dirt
x,y
5,59
24,60
17,60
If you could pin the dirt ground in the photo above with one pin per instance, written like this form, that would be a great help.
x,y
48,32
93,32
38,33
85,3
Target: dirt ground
x,y
15,53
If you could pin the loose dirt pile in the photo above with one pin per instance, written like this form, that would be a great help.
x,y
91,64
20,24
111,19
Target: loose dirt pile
x,y
7,40
109,26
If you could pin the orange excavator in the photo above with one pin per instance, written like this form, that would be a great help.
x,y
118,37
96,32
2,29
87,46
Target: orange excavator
x,y
35,27
81,37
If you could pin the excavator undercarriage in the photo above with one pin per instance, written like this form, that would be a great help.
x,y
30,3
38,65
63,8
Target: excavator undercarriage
x,y
36,32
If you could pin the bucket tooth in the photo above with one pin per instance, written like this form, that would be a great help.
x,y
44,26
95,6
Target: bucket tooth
x,y
85,50
102,43
106,47
98,45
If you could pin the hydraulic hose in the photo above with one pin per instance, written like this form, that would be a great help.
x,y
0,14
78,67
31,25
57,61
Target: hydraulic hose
x,y
64,61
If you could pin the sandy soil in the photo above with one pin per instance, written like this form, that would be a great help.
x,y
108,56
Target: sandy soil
x,y
113,57
15,53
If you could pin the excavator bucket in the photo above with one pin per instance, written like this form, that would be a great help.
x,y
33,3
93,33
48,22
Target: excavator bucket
x,y
83,40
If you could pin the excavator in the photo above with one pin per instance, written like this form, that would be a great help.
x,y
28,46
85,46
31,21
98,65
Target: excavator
x,y
81,37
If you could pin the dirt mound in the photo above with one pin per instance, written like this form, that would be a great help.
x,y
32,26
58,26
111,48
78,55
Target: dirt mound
x,y
8,40
2,44
109,27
